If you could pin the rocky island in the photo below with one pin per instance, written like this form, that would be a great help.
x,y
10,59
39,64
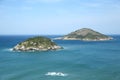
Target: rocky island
x,y
86,34
37,44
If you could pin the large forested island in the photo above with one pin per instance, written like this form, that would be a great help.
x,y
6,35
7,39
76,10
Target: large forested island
x,y
86,34
37,44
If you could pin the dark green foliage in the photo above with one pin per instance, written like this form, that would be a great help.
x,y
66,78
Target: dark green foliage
x,y
39,38
38,41
90,36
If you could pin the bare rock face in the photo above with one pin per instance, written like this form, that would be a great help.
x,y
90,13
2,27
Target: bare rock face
x,y
37,44
86,34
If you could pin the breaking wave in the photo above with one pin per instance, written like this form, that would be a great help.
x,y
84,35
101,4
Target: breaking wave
x,y
56,74
8,49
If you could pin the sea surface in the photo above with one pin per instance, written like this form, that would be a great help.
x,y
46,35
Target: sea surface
x,y
79,60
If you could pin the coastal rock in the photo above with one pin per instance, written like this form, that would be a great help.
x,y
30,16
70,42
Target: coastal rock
x,y
86,34
37,44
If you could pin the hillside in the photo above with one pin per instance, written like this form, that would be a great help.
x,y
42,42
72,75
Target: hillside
x,y
86,34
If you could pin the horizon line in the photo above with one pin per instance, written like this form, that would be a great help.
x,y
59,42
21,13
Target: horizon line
x,y
38,34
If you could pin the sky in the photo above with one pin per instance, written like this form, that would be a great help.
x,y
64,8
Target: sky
x,y
50,17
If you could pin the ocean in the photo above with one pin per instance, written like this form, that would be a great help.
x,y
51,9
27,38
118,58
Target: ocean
x,y
79,60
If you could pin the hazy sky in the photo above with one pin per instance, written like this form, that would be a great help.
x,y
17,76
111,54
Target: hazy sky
x,y
58,16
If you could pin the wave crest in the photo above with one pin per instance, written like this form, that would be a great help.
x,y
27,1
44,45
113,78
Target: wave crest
x,y
56,74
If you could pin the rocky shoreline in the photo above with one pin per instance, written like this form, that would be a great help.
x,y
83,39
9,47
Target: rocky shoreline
x,y
37,44
22,48
102,39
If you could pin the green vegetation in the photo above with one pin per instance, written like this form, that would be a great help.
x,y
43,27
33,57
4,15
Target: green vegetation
x,y
86,34
37,43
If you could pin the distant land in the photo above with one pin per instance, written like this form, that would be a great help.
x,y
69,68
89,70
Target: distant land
x,y
37,44
85,34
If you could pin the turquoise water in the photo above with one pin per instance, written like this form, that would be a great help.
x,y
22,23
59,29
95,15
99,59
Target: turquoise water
x,y
78,60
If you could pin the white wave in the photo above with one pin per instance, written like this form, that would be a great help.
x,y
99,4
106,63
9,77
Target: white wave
x,y
56,74
8,49
11,49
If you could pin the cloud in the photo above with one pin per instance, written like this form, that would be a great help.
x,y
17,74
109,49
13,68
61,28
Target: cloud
x,y
91,4
43,1
27,8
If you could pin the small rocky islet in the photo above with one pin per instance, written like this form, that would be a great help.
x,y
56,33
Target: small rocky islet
x,y
37,44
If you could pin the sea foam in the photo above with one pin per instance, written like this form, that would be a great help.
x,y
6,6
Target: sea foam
x,y
56,74
8,49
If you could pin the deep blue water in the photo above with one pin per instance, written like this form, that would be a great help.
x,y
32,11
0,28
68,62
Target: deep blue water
x,y
79,60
